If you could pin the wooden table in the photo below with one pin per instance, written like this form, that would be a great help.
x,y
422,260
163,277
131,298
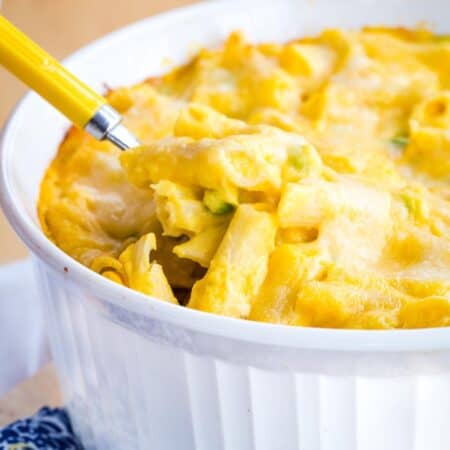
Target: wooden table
x,y
29,396
60,26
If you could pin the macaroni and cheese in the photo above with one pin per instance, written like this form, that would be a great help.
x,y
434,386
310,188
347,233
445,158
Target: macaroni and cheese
x,y
305,183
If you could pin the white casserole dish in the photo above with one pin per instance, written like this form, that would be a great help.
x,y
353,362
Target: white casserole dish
x,y
137,373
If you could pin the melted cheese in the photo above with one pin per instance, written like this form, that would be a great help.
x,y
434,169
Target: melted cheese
x,y
305,183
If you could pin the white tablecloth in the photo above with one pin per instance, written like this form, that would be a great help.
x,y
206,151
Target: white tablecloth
x,y
23,340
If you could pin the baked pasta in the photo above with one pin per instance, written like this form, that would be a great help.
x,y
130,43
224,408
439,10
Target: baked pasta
x,y
305,183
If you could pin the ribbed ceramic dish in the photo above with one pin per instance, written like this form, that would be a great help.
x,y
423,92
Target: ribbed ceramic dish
x,y
138,373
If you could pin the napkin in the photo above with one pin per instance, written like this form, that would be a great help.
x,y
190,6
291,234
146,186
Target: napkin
x,y
23,339
48,429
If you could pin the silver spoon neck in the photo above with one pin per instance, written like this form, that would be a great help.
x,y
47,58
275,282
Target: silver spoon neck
x,y
106,124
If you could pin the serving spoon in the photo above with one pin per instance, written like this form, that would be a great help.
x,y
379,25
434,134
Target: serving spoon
x,y
45,75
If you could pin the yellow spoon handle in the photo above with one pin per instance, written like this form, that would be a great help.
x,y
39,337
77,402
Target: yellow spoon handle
x,y
77,101
42,73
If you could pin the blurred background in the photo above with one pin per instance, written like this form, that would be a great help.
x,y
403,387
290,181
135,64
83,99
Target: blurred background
x,y
61,27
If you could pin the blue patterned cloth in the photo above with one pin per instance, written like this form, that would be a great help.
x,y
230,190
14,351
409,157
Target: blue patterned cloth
x,y
48,429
